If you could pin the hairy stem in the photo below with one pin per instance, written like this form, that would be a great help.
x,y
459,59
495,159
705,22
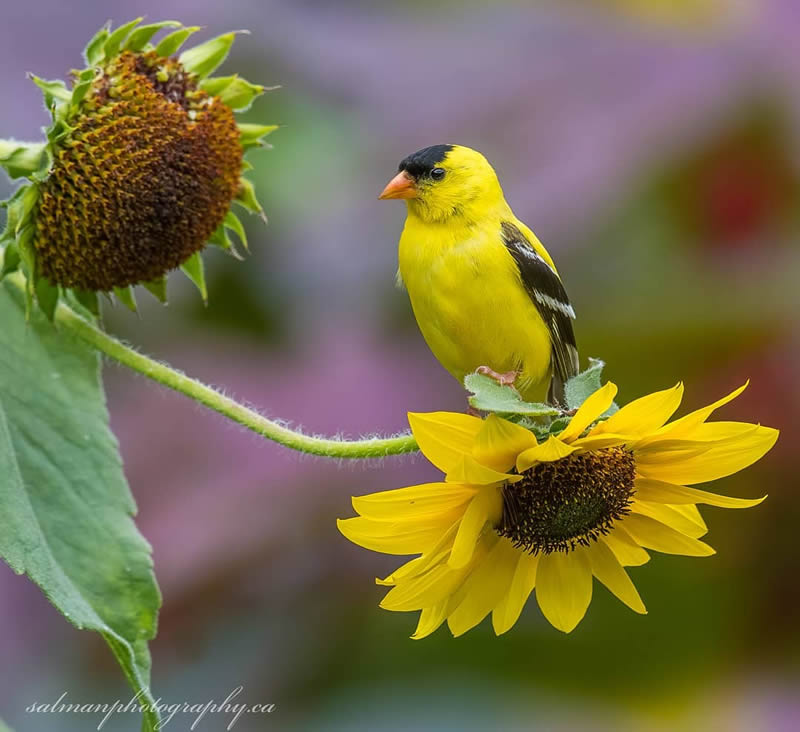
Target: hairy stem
x,y
377,447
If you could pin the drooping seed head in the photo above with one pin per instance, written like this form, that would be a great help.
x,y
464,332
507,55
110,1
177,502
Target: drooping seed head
x,y
142,182
141,165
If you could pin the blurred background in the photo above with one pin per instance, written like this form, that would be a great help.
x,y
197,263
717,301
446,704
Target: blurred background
x,y
654,147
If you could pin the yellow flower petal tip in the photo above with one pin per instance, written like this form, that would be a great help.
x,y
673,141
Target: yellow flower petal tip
x,y
581,506
444,437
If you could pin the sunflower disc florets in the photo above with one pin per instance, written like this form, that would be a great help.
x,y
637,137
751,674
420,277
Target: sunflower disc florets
x,y
141,165
569,502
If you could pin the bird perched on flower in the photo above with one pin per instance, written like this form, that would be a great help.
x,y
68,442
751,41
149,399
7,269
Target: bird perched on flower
x,y
484,290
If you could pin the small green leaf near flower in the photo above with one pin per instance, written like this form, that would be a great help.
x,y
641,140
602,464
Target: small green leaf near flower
x,y
489,396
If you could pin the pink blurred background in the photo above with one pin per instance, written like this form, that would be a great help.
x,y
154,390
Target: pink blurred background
x,y
656,155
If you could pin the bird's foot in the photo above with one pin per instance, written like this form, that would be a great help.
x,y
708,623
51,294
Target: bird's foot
x,y
507,378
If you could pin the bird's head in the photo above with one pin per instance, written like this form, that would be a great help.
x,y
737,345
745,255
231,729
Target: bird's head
x,y
443,181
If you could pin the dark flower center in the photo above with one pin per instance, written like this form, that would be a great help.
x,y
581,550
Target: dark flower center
x,y
569,502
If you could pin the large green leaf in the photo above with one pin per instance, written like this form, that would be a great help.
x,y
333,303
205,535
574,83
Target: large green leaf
x,y
65,507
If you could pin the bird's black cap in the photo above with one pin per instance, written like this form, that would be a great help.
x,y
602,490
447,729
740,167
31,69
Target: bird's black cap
x,y
424,161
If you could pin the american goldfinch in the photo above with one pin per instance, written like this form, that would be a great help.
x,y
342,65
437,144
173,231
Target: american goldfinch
x,y
484,291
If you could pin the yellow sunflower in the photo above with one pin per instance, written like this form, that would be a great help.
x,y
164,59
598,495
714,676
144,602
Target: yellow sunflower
x,y
515,514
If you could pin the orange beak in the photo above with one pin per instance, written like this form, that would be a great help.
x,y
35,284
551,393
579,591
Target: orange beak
x,y
401,186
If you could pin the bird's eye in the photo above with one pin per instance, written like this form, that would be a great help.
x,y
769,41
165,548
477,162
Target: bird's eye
x,y
437,173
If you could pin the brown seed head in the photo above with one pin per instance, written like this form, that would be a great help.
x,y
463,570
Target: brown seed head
x,y
569,502
142,182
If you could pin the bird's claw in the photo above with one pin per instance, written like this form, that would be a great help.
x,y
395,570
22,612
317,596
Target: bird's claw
x,y
507,378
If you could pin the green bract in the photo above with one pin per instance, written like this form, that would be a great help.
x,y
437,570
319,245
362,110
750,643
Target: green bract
x,y
142,163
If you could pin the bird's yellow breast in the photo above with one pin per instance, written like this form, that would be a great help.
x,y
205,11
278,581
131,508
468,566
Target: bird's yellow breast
x,y
470,304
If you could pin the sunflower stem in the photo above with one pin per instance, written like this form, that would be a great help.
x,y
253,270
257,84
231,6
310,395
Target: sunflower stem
x,y
373,447
376,447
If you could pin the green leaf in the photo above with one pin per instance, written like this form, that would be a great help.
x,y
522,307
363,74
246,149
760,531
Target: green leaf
x,y
20,159
9,260
4,727
142,35
53,90
250,135
557,426
84,300
27,257
47,297
247,198
489,396
24,207
127,297
579,388
158,288
233,223
221,239
13,206
171,43
194,269
207,57
27,252
93,53
236,92
65,507
217,84
79,91
114,41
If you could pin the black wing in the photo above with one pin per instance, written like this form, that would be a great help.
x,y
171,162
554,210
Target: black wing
x,y
548,294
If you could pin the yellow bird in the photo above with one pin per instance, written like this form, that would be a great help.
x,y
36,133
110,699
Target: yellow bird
x,y
485,292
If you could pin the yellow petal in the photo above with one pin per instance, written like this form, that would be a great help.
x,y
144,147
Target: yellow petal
x,y
508,610
443,437
643,415
727,456
626,550
653,534
393,538
485,545
405,504
484,588
589,411
673,517
411,568
564,587
610,572
439,584
499,442
550,450
599,442
660,450
485,507
693,514
684,426
723,431
702,436
435,555
656,491
427,590
467,469
430,619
